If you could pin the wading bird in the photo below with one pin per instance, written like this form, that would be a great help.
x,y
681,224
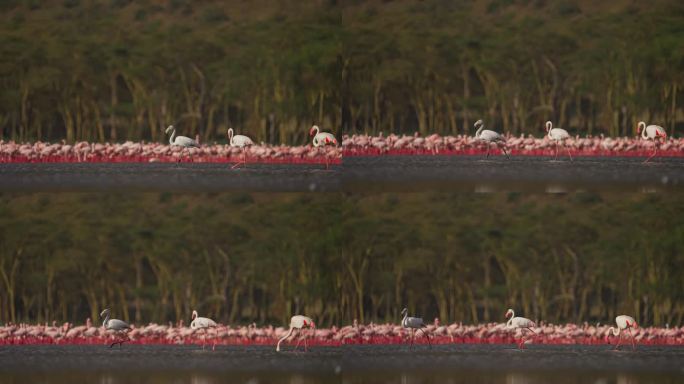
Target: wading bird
x,y
558,135
181,141
321,139
203,323
624,322
413,323
519,322
297,322
239,141
489,137
651,132
116,325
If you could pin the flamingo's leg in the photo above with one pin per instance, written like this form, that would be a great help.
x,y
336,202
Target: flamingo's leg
x,y
556,157
426,335
632,336
568,149
412,335
306,347
488,147
503,149
235,165
655,150
619,342
299,339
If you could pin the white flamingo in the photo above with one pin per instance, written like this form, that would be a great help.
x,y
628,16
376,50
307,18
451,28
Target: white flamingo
x,y
413,323
558,135
203,323
651,132
519,322
624,322
115,325
239,141
489,137
297,322
321,139
181,141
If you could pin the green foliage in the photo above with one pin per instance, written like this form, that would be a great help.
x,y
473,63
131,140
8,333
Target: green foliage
x,y
122,70
261,257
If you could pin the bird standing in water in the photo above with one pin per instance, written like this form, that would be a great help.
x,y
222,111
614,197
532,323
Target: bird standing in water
x,y
116,325
297,322
624,322
413,324
520,322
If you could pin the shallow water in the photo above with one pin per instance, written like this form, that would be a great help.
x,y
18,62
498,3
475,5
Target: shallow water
x,y
520,173
460,173
349,364
182,177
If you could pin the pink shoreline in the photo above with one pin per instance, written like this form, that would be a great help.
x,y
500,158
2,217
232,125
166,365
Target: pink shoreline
x,y
169,159
495,152
395,340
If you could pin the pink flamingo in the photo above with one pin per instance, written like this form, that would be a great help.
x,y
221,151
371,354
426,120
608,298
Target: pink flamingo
x,y
651,132
297,322
624,322
519,323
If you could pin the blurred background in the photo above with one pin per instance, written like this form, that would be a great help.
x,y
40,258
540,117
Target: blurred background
x,y
114,70
261,257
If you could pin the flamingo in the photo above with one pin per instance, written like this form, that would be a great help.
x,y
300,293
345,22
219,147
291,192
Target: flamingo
x,y
558,135
115,325
203,323
489,137
297,322
624,322
181,141
240,141
519,322
321,139
414,323
651,132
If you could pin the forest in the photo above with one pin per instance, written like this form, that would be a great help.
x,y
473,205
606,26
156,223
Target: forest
x,y
115,70
261,257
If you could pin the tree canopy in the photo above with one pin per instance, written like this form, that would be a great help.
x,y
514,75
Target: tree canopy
x,y
261,257
113,70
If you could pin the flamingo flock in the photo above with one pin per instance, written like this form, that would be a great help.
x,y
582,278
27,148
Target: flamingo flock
x,y
324,148
388,333
239,150
652,140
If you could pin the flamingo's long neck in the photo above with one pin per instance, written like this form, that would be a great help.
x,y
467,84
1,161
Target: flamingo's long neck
x,y
284,337
173,135
644,135
106,320
614,331
230,136
479,131
403,321
315,136
510,321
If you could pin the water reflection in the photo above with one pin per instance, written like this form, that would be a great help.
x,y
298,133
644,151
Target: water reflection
x,y
473,377
387,377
